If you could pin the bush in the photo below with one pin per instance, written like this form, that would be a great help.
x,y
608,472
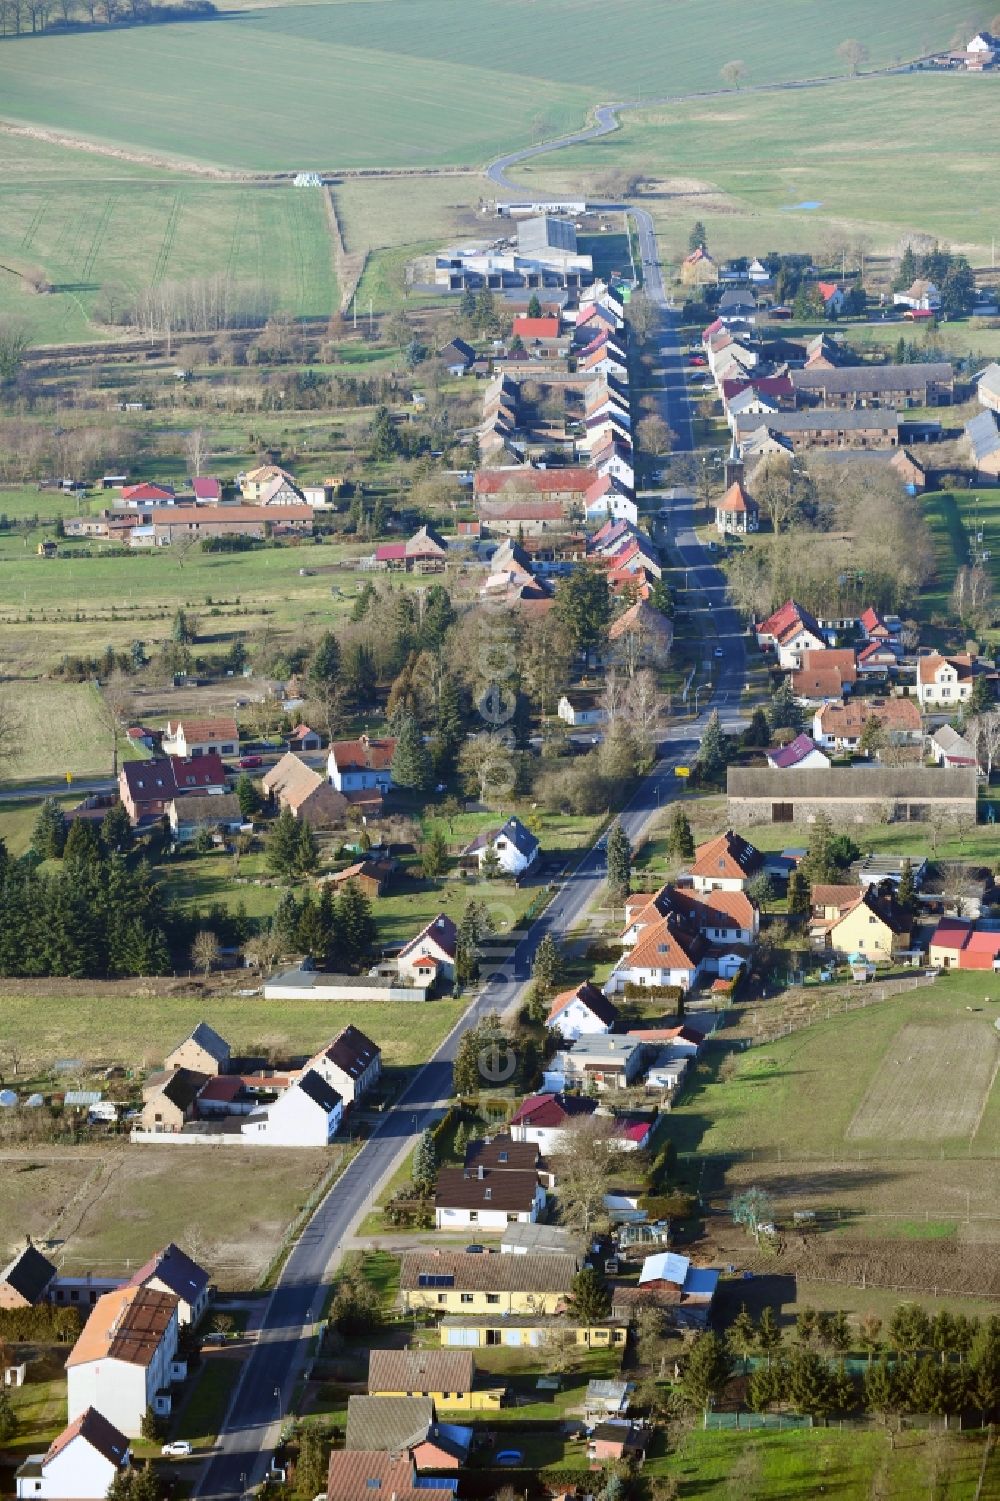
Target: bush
x,y
653,992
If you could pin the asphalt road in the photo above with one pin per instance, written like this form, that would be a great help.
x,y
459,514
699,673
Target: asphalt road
x,y
251,1428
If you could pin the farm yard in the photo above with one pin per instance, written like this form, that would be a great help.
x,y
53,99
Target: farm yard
x,y
395,84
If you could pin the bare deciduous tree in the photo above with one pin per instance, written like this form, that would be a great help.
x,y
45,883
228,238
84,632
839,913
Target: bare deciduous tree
x,y
656,436
115,703
205,951
853,53
196,450
733,73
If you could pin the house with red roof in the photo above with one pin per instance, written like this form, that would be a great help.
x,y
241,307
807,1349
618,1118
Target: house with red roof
x,y
547,1118
80,1465
958,943
207,490
790,631
877,659
147,788
362,765
832,297
585,1009
136,497
727,863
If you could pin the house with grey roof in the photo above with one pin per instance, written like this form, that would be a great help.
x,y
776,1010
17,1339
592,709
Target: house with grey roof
x,y
173,1271
988,387
982,433
26,1279
203,1051
307,1114
515,847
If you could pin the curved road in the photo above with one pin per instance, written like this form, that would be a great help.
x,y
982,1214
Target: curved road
x,y
251,1429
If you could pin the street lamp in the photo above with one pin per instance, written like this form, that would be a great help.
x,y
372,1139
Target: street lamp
x,y
277,1398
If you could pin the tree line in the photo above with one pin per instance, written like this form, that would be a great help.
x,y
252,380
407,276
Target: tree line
x,y
20,17
943,1364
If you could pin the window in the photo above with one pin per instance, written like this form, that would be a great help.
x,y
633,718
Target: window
x,y
442,1297
782,812
488,1194
493,1336
467,1298
492,1298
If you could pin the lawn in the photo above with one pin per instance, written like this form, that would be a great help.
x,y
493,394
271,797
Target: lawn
x,y
870,154
89,233
401,84
201,1416
17,822
850,1464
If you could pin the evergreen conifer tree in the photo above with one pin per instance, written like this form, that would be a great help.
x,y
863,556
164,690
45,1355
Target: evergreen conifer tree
x,y
411,761
425,1163
619,852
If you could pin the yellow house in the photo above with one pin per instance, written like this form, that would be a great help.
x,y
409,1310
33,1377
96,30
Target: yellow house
x,y
256,481
872,926
530,1333
447,1376
460,1282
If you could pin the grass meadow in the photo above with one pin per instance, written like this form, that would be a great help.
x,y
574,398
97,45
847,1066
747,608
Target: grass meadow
x,y
878,156
399,83
849,1464
106,1022
59,731
810,1093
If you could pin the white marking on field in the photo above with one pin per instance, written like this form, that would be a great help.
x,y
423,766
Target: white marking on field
x,y
933,1084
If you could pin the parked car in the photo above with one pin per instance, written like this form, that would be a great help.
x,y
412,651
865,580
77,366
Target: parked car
x,y
698,359
247,763
177,1450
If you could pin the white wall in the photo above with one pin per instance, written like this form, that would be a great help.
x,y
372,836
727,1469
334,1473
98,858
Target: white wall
x,y
118,1391
576,1020
78,1473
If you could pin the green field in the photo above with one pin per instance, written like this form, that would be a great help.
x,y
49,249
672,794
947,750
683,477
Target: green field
x,y
400,83
813,1091
59,731
88,233
848,1464
879,156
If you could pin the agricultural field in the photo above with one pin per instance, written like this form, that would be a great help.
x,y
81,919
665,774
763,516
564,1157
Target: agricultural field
x,y
400,84
131,233
932,1085
725,161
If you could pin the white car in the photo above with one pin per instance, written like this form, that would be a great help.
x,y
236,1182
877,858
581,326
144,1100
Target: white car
x,y
177,1450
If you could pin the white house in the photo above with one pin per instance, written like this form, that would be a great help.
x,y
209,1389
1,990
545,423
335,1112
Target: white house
x,y
431,955
306,1115
515,846
125,1360
361,765
351,1064
201,737
547,1118
172,1271
949,748
922,297
802,751
659,958
79,1465
613,503
583,1010
944,680
791,630
580,709
604,1062
486,1198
